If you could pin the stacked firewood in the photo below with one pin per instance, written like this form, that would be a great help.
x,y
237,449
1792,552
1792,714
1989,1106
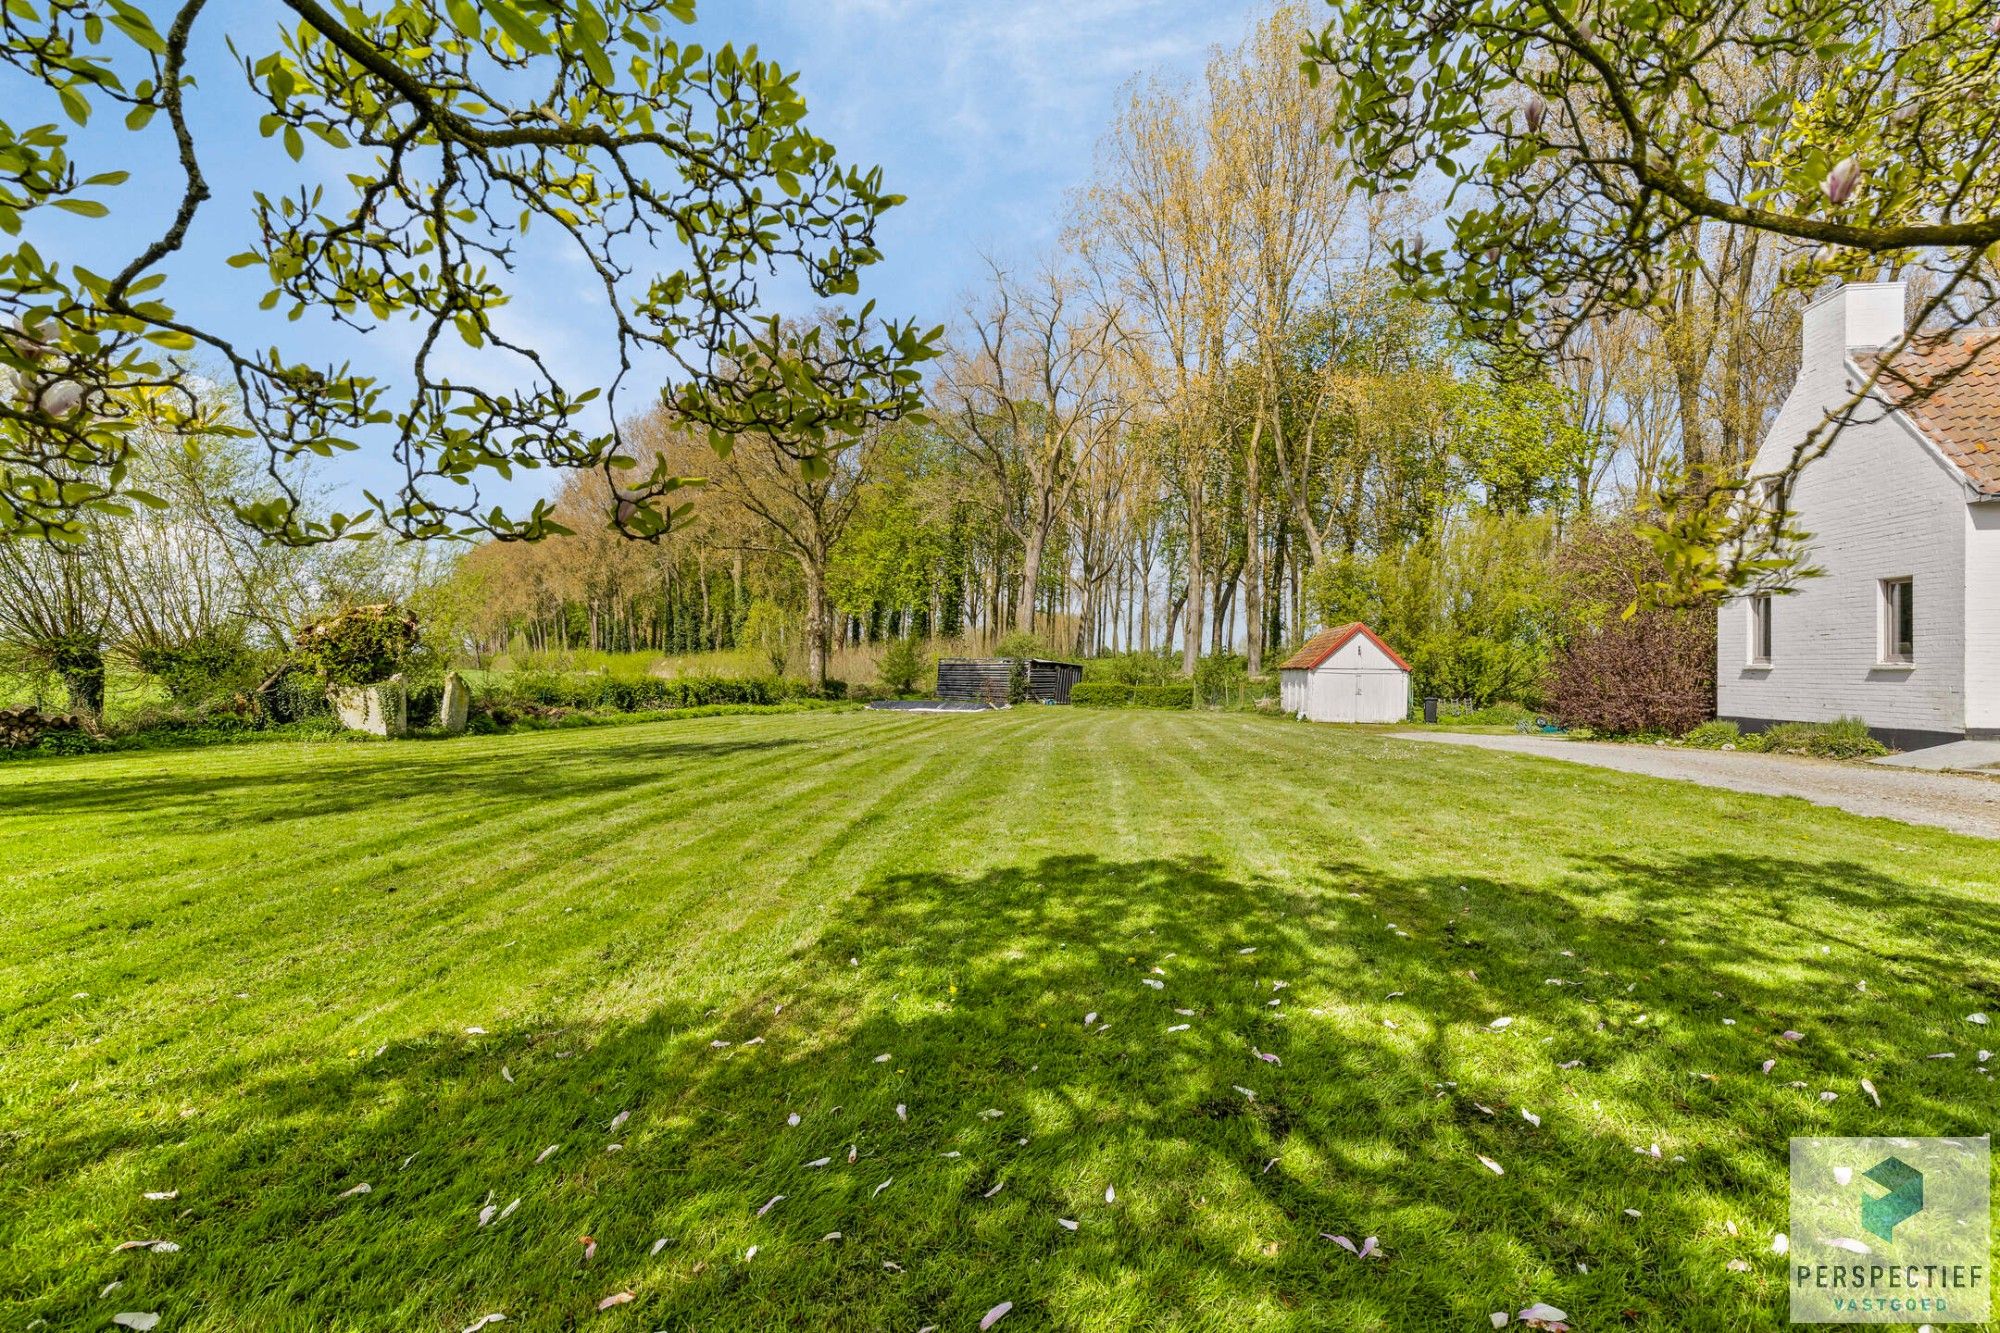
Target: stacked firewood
x,y
24,726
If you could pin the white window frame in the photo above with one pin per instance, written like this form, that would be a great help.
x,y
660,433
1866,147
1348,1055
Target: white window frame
x,y
1893,597
1762,642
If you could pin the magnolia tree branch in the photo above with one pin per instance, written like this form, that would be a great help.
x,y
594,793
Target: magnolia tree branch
x,y
636,149
1590,148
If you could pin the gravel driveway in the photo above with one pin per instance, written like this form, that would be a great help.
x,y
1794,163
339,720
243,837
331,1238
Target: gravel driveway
x,y
1962,804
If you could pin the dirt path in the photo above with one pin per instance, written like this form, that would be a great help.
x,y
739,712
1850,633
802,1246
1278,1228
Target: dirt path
x,y
1962,804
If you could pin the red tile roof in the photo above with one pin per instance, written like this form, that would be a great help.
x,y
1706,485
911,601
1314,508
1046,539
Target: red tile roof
x,y
1330,641
1949,386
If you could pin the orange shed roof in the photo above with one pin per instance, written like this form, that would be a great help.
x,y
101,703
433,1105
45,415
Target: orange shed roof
x,y
1330,641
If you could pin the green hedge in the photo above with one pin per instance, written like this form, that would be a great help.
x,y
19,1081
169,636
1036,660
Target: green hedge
x,y
651,693
1096,695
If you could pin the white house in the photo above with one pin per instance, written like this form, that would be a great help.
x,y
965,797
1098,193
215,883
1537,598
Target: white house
x,y
1902,628
1346,674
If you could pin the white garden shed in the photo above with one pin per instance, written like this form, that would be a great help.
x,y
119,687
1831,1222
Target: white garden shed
x,y
1346,674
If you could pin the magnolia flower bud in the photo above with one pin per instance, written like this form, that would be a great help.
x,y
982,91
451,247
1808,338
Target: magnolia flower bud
x,y
1492,254
625,511
1840,182
1994,27
1533,112
61,399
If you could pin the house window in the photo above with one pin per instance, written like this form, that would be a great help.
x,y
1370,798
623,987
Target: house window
x,y
1899,621
1760,630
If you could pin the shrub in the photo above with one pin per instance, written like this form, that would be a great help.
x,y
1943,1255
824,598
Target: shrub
x,y
206,666
1714,735
1492,715
358,646
1020,644
1100,694
1651,671
1162,696
1158,668
1846,738
903,666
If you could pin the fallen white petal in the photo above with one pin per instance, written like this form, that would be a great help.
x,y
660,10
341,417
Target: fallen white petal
x,y
1491,1165
547,1153
1245,1091
1738,1266
363,1188
883,1058
486,1213
507,1074
792,1119
1632,1212
831,1235
819,1161
1066,1224
1980,1019
1499,1023
995,1315
618,1120
483,1321
1499,1318
1851,1246
1090,1018
1179,1027
995,1190
1154,982
659,1245
1110,1194
1869,1088
475,1032
508,1211
884,1185
749,1254
774,1201
159,1195
1531,1117
902,1111
1780,1243
1843,1174
617,1298
1543,1311
136,1320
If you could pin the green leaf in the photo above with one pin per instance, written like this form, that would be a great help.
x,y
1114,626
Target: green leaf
x,y
86,208
522,30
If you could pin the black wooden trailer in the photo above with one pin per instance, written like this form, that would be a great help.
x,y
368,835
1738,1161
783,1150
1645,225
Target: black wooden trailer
x,y
988,679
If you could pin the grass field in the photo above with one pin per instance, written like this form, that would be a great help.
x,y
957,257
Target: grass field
x,y
265,977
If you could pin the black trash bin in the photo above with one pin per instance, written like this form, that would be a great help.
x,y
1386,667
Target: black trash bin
x,y
1430,709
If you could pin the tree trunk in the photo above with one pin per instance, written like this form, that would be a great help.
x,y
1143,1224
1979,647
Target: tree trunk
x,y
1191,634
1253,568
817,627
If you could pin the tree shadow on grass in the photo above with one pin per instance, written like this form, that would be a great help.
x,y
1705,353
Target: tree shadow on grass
x,y
999,1111
302,791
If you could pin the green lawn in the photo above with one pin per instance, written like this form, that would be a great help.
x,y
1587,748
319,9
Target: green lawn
x,y
263,976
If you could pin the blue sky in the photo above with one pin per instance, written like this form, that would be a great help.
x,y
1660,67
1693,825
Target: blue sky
x,y
985,113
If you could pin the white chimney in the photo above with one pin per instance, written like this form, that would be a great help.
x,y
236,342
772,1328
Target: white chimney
x,y
1848,319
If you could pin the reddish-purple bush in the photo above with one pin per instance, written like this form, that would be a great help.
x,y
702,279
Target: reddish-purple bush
x,y
1653,671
